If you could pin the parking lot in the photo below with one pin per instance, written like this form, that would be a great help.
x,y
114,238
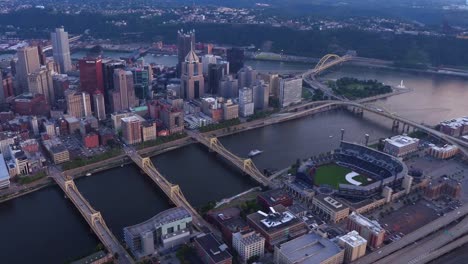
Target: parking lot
x,y
75,146
408,218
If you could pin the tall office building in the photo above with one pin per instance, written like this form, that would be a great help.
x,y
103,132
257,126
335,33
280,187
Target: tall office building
x,y
246,104
246,76
108,68
215,74
142,77
235,57
131,129
185,43
42,56
123,96
99,106
40,81
91,77
61,49
207,60
290,91
193,82
28,62
78,104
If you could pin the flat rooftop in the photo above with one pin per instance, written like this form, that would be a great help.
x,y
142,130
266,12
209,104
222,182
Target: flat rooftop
x,y
309,249
331,202
401,141
217,252
353,239
364,221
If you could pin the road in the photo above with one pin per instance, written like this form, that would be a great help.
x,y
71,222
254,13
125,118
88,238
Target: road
x,y
413,236
422,249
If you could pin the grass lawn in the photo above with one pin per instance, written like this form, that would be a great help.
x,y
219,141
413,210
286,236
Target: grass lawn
x,y
333,175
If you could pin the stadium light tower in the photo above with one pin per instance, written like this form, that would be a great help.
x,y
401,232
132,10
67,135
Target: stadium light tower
x,y
342,130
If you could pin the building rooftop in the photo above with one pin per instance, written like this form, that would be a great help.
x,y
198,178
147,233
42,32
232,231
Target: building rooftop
x,y
456,122
446,147
248,237
330,202
133,118
167,216
364,221
401,140
353,239
276,222
215,250
309,249
274,196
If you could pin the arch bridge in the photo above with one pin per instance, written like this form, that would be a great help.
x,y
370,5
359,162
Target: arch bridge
x,y
93,217
326,62
245,165
172,191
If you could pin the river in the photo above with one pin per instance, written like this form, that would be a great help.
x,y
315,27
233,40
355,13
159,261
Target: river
x,y
44,226
43,222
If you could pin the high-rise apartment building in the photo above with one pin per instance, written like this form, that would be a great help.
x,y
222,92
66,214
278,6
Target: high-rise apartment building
x,y
40,81
354,245
370,230
185,43
91,77
246,104
248,244
290,91
261,95
235,57
148,131
61,49
246,77
193,82
78,104
99,106
228,87
28,62
131,129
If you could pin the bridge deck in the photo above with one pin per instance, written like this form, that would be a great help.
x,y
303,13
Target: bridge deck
x,y
172,191
94,219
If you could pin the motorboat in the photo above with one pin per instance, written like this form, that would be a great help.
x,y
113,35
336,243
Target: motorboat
x,y
254,152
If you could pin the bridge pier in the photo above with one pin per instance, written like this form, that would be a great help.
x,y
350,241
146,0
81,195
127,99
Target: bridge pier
x,y
395,125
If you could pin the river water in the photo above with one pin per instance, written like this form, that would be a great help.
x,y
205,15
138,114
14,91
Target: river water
x,y
43,222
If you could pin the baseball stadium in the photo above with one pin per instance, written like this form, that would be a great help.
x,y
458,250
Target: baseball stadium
x,y
354,171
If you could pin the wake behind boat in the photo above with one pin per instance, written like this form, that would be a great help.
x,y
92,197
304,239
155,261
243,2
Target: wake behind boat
x,y
254,152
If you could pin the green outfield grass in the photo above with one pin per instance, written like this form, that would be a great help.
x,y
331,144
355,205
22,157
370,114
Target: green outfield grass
x,y
333,175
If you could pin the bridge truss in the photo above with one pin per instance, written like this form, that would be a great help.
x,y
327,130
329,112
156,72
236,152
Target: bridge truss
x,y
245,165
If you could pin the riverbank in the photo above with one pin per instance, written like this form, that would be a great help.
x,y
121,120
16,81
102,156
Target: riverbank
x,y
121,160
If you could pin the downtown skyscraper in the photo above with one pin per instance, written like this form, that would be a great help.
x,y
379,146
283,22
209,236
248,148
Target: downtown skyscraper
x,y
28,62
185,43
61,49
